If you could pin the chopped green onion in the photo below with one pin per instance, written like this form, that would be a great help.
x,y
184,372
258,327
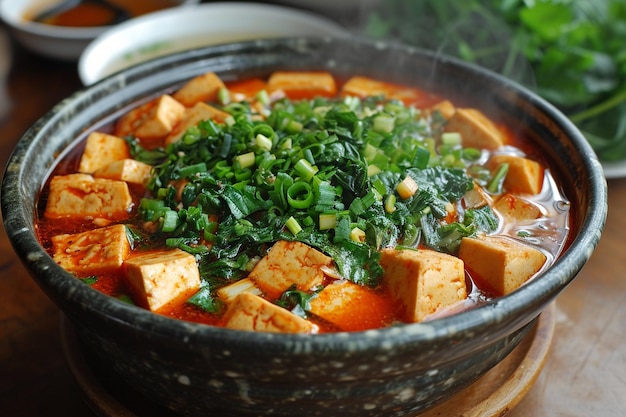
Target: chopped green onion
x,y
357,235
230,120
286,144
451,138
191,170
383,124
305,169
300,195
495,185
245,160
263,142
327,221
373,170
293,126
407,188
471,154
293,225
390,203
170,221
263,98
243,174
223,96
370,151
421,158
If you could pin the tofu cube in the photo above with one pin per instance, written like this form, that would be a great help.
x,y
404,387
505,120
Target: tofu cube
x,y
100,150
360,86
253,313
302,85
476,130
500,265
162,277
516,209
246,89
422,282
82,196
194,115
95,251
524,175
288,263
445,108
352,307
476,198
128,170
203,88
153,120
229,292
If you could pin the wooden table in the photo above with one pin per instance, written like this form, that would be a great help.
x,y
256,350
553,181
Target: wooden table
x,y
585,372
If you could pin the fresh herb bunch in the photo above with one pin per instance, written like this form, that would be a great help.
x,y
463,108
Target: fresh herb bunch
x,y
570,51
323,172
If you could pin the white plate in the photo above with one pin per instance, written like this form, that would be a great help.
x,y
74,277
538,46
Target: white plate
x,y
614,169
174,30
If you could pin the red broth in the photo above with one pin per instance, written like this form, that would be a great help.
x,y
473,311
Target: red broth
x,y
376,308
89,14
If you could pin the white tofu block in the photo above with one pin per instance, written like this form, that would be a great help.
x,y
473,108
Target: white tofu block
x,y
516,209
524,175
92,252
128,170
423,281
360,86
152,120
162,277
229,292
476,129
352,307
100,150
500,265
194,115
445,108
203,88
253,313
476,198
82,196
286,264
161,119
302,84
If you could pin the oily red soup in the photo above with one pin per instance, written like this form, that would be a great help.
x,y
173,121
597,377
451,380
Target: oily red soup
x,y
303,203
90,14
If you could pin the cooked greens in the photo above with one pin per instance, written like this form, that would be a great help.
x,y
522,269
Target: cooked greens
x,y
324,172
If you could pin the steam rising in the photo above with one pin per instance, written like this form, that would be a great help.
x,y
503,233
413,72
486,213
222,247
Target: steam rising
x,y
476,36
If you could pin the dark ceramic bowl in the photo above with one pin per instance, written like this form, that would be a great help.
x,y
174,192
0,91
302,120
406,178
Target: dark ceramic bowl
x,y
199,370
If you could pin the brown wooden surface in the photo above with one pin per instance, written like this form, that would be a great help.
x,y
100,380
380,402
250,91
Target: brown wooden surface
x,y
584,375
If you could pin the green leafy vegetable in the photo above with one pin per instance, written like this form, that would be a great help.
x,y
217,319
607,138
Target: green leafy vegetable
x,y
297,301
226,193
570,51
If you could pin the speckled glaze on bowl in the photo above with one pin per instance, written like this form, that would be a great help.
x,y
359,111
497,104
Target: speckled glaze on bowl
x,y
199,370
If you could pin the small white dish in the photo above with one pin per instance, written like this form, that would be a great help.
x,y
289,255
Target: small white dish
x,y
174,30
59,42
615,169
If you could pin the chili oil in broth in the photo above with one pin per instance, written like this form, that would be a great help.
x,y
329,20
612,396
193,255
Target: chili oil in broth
x,y
550,234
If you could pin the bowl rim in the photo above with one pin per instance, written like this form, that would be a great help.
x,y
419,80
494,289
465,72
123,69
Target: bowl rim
x,y
535,294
